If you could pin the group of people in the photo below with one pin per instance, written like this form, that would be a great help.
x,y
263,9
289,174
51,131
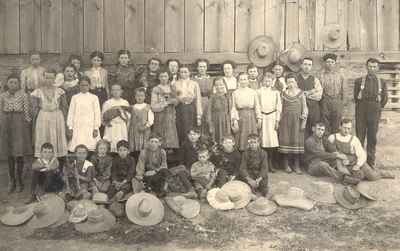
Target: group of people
x,y
117,131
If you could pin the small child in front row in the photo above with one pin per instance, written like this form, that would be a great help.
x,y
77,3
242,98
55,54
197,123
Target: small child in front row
x,y
78,175
142,118
123,173
203,174
254,166
44,170
102,162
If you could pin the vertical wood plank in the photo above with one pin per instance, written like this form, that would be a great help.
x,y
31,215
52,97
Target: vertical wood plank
x,y
306,23
249,22
292,22
194,25
368,25
51,19
354,25
331,11
114,21
134,25
174,25
342,20
219,29
154,26
320,6
30,25
388,24
72,26
275,21
93,25
9,26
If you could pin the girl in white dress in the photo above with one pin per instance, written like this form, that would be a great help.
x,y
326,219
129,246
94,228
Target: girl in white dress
x,y
115,117
84,118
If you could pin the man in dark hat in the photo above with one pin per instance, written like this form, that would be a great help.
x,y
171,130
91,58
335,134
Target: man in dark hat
x,y
370,95
332,97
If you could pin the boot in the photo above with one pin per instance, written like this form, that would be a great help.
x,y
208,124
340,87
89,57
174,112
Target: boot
x,y
20,169
297,169
285,162
11,174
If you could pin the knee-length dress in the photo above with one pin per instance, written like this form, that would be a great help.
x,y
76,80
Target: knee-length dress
x,y
142,118
218,116
15,125
50,109
294,110
271,108
84,116
165,117
117,128
245,110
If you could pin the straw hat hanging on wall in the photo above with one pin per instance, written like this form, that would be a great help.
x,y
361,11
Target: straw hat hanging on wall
x,y
261,51
333,36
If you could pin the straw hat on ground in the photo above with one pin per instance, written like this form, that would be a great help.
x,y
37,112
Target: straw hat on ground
x,y
261,51
292,56
321,191
16,216
144,209
262,206
349,197
100,198
294,198
64,219
219,199
47,211
239,193
185,207
98,220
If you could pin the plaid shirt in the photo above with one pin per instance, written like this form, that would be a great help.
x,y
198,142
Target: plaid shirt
x,y
17,102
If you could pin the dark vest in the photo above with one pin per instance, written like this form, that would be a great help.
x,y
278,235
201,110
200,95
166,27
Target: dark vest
x,y
305,84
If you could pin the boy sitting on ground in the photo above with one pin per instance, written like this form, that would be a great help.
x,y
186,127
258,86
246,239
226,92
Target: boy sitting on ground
x,y
203,174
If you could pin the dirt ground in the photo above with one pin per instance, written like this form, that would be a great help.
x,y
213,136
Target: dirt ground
x,y
325,227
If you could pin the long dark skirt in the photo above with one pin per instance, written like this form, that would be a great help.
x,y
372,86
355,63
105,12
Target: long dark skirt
x,y
101,93
185,120
15,135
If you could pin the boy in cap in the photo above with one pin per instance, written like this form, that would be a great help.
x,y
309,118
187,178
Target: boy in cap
x,y
332,97
203,174
254,166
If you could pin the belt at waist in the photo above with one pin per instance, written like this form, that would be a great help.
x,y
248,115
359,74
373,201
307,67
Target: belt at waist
x,y
267,113
9,112
98,88
245,109
375,99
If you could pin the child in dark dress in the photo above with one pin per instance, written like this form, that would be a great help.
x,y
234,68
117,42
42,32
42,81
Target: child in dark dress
x,y
102,162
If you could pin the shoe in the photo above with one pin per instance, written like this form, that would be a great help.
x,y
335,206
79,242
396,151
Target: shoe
x,y
272,170
31,200
288,169
297,170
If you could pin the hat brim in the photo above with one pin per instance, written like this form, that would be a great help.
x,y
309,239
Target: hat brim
x,y
284,57
88,227
269,209
252,51
364,188
189,209
57,209
156,215
238,189
64,219
361,203
77,219
12,219
214,203
300,203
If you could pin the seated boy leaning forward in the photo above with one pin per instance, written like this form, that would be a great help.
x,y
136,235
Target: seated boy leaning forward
x,y
189,149
354,167
203,174
44,172
319,161
78,176
254,166
123,172
227,161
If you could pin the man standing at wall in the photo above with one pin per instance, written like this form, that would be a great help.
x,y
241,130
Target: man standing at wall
x,y
370,96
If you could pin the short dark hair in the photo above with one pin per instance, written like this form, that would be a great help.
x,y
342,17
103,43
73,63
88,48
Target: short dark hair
x,y
74,56
81,146
155,136
346,121
47,145
241,74
124,51
155,59
268,75
291,75
195,130
252,136
103,142
372,60
140,89
85,78
251,66
34,52
123,143
319,123
307,58
233,64
172,60
71,66
97,54
196,63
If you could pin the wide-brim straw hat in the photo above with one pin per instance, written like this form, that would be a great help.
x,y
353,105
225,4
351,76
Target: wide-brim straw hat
x,y
185,207
144,209
321,191
47,211
239,193
261,51
369,189
99,220
219,199
64,219
100,198
294,198
16,216
80,211
262,206
350,198
333,36
292,56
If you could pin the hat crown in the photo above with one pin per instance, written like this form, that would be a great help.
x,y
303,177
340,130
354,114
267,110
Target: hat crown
x,y
95,216
295,192
19,210
263,50
79,211
334,34
260,204
234,197
144,208
222,196
351,195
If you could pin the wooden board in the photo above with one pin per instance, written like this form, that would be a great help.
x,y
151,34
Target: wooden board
x,y
93,25
292,22
9,26
249,22
219,25
275,21
174,25
51,20
30,25
320,10
154,26
134,25
388,24
368,10
306,23
354,25
72,26
194,25
114,21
